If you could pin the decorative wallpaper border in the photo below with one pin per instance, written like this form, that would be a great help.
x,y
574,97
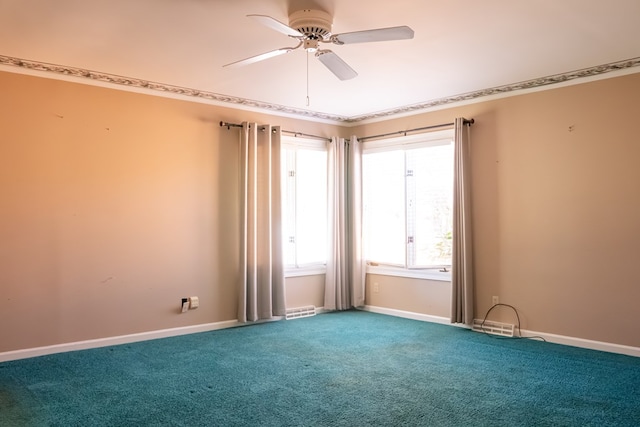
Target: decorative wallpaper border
x,y
161,87
528,84
212,96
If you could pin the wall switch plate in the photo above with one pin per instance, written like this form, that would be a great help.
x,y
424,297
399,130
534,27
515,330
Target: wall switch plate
x,y
194,302
185,305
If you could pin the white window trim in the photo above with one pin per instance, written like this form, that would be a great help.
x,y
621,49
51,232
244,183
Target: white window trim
x,y
295,142
315,270
423,273
430,139
427,139
292,142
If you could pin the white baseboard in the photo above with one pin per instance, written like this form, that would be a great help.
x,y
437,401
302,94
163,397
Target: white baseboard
x,y
584,343
166,333
321,310
126,339
408,314
122,339
553,338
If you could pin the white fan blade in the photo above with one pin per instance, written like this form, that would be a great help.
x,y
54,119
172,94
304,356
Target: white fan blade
x,y
274,24
260,57
378,35
336,65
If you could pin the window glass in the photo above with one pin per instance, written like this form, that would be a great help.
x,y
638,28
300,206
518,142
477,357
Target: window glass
x,y
304,177
408,193
431,197
311,207
384,206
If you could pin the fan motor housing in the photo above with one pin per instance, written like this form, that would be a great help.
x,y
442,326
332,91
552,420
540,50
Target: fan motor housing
x,y
315,24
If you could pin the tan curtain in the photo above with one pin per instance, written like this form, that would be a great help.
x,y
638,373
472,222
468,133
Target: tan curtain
x,y
462,255
344,283
261,293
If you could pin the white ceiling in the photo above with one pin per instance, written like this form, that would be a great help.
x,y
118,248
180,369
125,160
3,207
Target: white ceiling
x,y
460,46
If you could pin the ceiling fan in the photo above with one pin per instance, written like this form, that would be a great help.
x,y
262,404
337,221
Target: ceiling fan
x,y
312,27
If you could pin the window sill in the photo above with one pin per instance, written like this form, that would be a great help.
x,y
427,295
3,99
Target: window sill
x,y
305,271
426,274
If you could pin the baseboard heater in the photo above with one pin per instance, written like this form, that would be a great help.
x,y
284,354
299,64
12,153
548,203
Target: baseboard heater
x,y
298,312
493,328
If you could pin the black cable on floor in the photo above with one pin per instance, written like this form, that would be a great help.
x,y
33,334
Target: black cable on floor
x,y
518,325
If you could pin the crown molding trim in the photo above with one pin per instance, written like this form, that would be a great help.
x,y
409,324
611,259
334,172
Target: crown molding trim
x,y
171,90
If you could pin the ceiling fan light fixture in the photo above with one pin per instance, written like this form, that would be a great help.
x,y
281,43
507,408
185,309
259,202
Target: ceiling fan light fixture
x,y
312,27
314,24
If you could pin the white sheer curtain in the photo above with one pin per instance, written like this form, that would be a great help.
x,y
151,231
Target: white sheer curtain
x,y
344,284
462,256
261,294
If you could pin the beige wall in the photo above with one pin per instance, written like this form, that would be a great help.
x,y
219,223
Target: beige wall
x,y
556,207
115,205
305,290
431,297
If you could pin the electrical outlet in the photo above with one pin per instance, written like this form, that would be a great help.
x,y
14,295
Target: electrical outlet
x,y
495,300
376,287
185,305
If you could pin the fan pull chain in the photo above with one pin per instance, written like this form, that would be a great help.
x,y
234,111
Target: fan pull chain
x,y
307,78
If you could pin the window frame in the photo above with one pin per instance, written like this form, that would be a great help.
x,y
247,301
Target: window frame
x,y
427,139
297,143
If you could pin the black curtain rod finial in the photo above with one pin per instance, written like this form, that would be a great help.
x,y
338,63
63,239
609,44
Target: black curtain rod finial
x,y
230,125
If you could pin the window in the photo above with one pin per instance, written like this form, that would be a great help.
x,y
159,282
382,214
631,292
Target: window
x,y
408,196
304,177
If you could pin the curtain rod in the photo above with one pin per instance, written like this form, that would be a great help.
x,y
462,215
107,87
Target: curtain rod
x,y
400,132
296,134
405,132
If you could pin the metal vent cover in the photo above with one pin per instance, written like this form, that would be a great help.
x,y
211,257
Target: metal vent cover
x,y
493,328
298,312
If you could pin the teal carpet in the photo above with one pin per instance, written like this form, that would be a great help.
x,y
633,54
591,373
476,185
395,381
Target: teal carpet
x,y
339,369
